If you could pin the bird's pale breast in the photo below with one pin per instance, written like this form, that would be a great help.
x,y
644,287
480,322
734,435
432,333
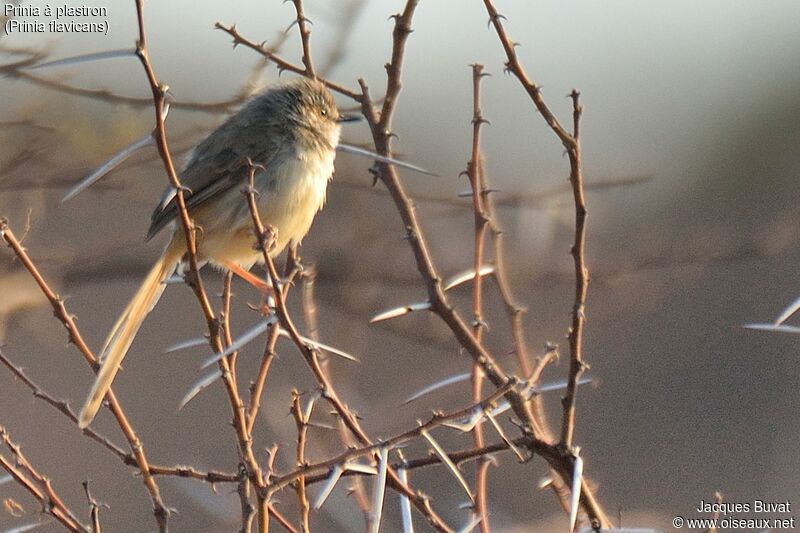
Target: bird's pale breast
x,y
291,190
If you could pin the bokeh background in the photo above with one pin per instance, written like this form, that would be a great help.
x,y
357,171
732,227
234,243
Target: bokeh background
x,y
690,138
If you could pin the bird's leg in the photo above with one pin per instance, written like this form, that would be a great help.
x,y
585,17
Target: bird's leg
x,y
267,241
264,286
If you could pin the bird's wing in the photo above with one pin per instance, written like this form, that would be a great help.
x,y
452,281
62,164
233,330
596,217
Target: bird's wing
x,y
218,163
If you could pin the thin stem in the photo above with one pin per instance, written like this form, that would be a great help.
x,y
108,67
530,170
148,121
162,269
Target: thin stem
x,y
305,33
301,421
257,386
282,64
571,143
265,241
391,442
473,173
137,447
39,486
244,439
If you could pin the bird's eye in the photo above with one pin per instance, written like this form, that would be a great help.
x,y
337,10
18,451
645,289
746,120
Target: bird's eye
x,y
324,112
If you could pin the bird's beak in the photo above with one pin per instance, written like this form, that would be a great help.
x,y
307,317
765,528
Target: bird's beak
x,y
349,118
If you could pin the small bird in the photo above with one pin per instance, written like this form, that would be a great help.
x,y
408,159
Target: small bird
x,y
290,133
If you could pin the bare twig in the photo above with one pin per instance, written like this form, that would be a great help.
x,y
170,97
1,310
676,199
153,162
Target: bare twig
x,y
435,421
305,33
62,406
264,242
257,386
243,489
38,485
248,511
301,419
94,508
571,143
474,170
137,448
209,476
282,64
244,439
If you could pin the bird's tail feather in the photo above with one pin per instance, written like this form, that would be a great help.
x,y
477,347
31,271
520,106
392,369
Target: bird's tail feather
x,y
125,329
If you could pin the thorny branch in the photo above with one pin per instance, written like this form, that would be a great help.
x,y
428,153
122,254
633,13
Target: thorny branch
x,y
474,172
301,419
244,439
39,486
435,421
571,143
265,241
60,311
282,64
302,25
559,455
209,476
62,406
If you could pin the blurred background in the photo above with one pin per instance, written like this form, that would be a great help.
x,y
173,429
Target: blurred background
x,y
690,136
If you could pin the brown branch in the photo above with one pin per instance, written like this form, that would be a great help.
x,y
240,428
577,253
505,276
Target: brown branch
x,y
243,489
458,458
305,33
39,486
309,306
195,280
578,252
244,439
265,239
257,386
210,476
571,143
127,458
137,448
94,508
282,64
63,407
282,520
474,169
435,421
301,421
160,135
380,126
440,305
309,277
483,203
515,67
248,511
225,318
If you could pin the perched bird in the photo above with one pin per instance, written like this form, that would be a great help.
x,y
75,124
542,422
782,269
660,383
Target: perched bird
x,y
290,132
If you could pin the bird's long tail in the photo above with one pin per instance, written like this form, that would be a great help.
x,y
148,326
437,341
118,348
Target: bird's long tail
x,y
126,327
